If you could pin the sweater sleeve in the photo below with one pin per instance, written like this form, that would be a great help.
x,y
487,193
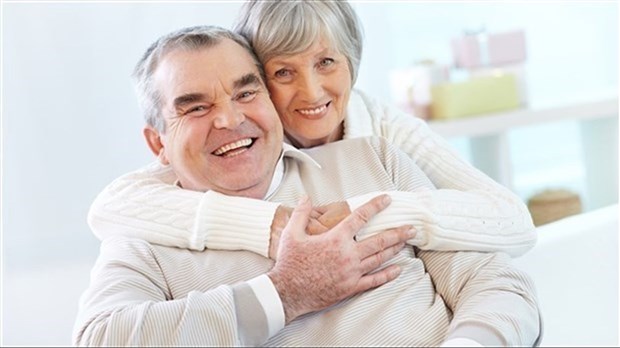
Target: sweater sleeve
x,y
438,229
129,303
468,208
146,204
492,302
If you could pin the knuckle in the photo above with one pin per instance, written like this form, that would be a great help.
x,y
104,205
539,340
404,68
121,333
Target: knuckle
x,y
368,248
382,242
379,259
362,215
381,279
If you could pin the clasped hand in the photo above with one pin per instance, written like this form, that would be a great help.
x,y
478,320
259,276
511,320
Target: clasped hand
x,y
314,271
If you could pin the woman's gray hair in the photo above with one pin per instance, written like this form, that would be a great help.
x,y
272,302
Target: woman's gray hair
x,y
287,27
192,39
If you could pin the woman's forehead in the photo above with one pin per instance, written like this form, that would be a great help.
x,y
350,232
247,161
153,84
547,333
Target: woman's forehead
x,y
318,49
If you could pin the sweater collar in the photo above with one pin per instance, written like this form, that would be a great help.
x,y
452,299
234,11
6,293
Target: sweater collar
x,y
287,151
357,121
291,151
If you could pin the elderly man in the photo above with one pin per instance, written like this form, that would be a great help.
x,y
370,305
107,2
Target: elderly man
x,y
214,124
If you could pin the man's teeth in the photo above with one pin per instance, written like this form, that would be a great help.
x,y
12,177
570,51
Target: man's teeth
x,y
233,146
314,111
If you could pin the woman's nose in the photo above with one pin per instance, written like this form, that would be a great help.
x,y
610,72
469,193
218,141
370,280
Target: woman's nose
x,y
310,87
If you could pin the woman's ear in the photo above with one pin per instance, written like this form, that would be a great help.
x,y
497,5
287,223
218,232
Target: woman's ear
x,y
153,139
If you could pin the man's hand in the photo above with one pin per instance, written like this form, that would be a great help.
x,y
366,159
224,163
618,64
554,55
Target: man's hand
x,y
280,220
322,219
315,271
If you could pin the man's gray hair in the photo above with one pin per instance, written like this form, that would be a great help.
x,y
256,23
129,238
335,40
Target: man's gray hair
x,y
288,27
192,39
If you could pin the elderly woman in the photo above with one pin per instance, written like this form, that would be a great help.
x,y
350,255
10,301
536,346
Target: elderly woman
x,y
311,52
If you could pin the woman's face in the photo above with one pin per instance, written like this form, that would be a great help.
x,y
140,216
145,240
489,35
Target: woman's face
x,y
310,91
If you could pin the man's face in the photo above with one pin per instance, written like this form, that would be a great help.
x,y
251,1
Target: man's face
x,y
222,130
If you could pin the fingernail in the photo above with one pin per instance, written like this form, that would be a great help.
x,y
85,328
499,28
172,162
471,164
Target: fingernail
x,y
387,199
395,271
411,232
303,199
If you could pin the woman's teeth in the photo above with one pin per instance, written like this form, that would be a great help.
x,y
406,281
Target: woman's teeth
x,y
314,111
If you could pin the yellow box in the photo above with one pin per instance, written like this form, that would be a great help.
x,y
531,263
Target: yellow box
x,y
478,95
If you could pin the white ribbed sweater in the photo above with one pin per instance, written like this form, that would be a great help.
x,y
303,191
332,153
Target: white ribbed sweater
x,y
142,294
468,211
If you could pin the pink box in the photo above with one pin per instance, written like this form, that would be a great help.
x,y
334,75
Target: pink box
x,y
489,49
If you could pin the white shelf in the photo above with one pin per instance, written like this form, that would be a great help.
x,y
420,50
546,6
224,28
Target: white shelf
x,y
490,124
598,121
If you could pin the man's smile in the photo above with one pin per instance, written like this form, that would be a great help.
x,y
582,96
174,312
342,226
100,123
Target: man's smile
x,y
235,148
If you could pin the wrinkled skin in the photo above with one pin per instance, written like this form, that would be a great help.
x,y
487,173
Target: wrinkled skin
x,y
313,272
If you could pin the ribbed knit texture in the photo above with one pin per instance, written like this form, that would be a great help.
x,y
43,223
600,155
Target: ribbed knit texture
x,y
468,211
153,295
215,215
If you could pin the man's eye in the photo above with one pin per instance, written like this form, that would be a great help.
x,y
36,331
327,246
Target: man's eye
x,y
246,96
197,110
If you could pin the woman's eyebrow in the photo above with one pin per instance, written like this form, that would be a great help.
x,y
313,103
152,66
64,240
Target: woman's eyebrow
x,y
324,52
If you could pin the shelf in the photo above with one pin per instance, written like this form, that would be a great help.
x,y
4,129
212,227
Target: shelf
x,y
598,122
490,124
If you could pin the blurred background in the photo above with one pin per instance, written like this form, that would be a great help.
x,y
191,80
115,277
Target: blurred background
x,y
70,120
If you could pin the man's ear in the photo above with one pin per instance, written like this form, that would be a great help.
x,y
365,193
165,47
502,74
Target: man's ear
x,y
153,139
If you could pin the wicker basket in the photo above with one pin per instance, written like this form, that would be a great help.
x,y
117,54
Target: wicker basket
x,y
552,205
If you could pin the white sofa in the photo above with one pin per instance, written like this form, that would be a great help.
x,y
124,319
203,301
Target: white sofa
x,y
574,265
575,269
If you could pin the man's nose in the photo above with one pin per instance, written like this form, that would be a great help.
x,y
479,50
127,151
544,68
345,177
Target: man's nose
x,y
229,117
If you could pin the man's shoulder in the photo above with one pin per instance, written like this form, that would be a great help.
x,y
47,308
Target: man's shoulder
x,y
354,152
360,146
137,254
122,245
126,244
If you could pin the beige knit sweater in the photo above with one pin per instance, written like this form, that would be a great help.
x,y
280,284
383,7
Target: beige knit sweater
x,y
143,294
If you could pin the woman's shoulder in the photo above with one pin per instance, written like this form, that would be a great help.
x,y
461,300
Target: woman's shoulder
x,y
378,117
359,97
377,108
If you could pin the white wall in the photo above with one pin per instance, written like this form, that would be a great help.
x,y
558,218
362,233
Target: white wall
x,y
572,47
71,122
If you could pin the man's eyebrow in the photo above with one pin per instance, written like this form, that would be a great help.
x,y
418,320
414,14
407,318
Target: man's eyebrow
x,y
189,98
245,80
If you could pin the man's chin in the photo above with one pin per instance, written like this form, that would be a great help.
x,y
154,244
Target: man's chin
x,y
256,190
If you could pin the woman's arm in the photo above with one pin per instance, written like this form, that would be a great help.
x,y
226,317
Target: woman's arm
x,y
488,231
461,215
146,204
468,208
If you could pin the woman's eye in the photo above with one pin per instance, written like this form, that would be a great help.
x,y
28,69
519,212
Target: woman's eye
x,y
326,62
282,73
